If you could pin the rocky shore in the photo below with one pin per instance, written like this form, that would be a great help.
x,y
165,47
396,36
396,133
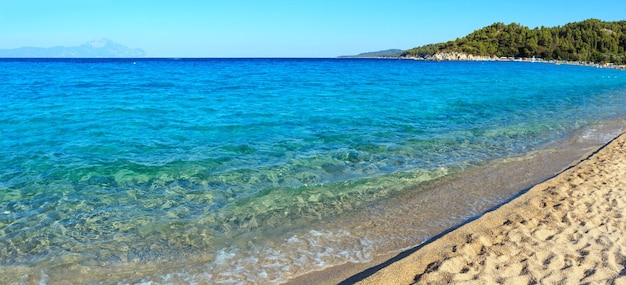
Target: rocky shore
x,y
457,56
453,56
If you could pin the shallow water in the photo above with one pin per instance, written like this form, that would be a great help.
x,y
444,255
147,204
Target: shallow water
x,y
245,170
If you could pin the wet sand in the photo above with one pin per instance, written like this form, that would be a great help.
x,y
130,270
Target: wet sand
x,y
566,230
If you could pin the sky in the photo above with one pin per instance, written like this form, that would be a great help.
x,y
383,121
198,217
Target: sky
x,y
276,28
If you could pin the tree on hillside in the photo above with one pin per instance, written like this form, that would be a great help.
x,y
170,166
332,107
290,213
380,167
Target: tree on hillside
x,y
590,40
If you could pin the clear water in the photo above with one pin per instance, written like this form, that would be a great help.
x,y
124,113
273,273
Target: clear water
x,y
233,170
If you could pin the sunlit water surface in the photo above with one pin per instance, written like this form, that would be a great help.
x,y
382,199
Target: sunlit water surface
x,y
240,170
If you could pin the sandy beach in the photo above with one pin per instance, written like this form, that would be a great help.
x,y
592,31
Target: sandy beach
x,y
567,230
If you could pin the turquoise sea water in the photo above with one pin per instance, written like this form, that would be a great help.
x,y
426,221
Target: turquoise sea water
x,y
232,170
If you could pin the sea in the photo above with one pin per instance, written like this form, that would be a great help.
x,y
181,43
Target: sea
x,y
257,171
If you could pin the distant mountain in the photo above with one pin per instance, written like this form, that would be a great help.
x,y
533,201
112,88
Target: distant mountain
x,y
382,53
101,48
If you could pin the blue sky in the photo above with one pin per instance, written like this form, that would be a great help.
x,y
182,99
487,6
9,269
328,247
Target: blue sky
x,y
276,28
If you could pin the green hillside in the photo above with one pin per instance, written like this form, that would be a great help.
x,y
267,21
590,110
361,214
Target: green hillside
x,y
590,41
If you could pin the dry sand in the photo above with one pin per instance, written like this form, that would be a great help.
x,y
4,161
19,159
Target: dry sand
x,y
567,230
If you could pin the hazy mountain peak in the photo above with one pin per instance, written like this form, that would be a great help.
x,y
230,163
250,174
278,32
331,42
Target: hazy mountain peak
x,y
99,43
99,48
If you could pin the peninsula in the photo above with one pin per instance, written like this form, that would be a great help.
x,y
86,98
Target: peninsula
x,y
586,41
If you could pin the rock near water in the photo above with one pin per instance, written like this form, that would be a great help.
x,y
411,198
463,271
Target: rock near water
x,y
454,56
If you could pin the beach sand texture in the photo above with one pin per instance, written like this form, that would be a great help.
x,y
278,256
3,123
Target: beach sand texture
x,y
567,230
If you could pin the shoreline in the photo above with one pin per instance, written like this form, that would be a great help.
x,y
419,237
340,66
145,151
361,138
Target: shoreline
x,y
456,56
566,229
515,177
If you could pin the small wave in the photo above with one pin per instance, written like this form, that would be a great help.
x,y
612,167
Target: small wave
x,y
601,133
295,256
253,262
